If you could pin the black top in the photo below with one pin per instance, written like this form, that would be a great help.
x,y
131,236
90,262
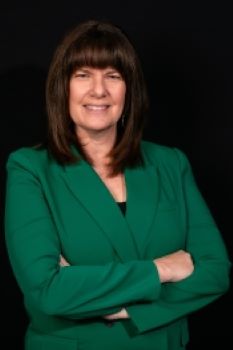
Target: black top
x,y
122,206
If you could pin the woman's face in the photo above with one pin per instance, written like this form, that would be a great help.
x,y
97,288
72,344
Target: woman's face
x,y
96,99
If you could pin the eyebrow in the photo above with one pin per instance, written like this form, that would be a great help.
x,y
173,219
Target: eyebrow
x,y
108,69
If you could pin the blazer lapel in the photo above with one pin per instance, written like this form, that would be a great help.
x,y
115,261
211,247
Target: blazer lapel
x,y
142,202
91,192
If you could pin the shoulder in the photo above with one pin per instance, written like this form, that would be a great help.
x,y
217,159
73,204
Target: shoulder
x,y
165,156
29,158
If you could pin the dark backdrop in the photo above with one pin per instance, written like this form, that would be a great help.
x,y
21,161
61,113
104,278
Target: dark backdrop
x,y
186,51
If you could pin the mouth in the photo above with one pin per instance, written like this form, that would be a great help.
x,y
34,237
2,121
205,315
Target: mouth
x,y
96,107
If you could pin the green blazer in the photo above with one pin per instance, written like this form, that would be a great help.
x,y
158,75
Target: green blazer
x,y
53,209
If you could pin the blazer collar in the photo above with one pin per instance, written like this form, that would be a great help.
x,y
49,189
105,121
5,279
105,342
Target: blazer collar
x,y
142,202
126,234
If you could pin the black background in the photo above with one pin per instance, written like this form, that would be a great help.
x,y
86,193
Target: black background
x,y
186,50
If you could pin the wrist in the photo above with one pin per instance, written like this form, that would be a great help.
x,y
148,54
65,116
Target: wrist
x,y
164,271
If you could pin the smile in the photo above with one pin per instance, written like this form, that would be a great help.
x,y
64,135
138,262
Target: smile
x,y
96,107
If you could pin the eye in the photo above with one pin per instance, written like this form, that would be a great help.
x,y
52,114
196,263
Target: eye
x,y
81,75
114,76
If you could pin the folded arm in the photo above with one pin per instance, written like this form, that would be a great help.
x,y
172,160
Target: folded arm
x,y
34,251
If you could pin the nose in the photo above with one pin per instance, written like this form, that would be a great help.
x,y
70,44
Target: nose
x,y
98,88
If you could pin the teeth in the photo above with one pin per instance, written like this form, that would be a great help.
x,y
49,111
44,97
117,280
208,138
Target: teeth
x,y
96,108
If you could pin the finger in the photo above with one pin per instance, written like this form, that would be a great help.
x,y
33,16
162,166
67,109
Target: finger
x,y
110,317
119,315
63,262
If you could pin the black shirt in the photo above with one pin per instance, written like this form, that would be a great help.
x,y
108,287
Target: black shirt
x,y
122,206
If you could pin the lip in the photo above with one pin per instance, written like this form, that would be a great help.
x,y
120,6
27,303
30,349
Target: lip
x,y
93,107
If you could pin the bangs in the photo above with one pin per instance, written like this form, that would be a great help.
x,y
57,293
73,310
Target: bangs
x,y
98,52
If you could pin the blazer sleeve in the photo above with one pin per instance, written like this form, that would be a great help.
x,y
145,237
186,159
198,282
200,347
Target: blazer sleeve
x,y
210,278
33,246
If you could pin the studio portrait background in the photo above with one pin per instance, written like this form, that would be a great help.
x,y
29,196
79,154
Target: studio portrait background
x,y
186,50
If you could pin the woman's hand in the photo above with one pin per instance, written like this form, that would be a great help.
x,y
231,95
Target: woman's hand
x,y
119,315
63,262
123,314
171,268
174,267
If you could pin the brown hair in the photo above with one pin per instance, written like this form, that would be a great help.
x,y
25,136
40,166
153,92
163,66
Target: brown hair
x,y
96,44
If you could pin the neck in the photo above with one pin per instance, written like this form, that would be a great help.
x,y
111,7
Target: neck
x,y
97,146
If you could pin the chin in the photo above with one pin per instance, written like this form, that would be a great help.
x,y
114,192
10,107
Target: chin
x,y
103,127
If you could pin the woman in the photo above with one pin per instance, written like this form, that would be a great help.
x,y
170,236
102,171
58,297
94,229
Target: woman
x,y
109,238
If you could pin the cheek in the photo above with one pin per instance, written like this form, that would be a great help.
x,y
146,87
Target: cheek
x,y
121,96
73,107
74,101
73,96
71,103
76,91
71,100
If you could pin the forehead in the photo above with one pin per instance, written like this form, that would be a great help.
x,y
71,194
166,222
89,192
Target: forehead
x,y
97,55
